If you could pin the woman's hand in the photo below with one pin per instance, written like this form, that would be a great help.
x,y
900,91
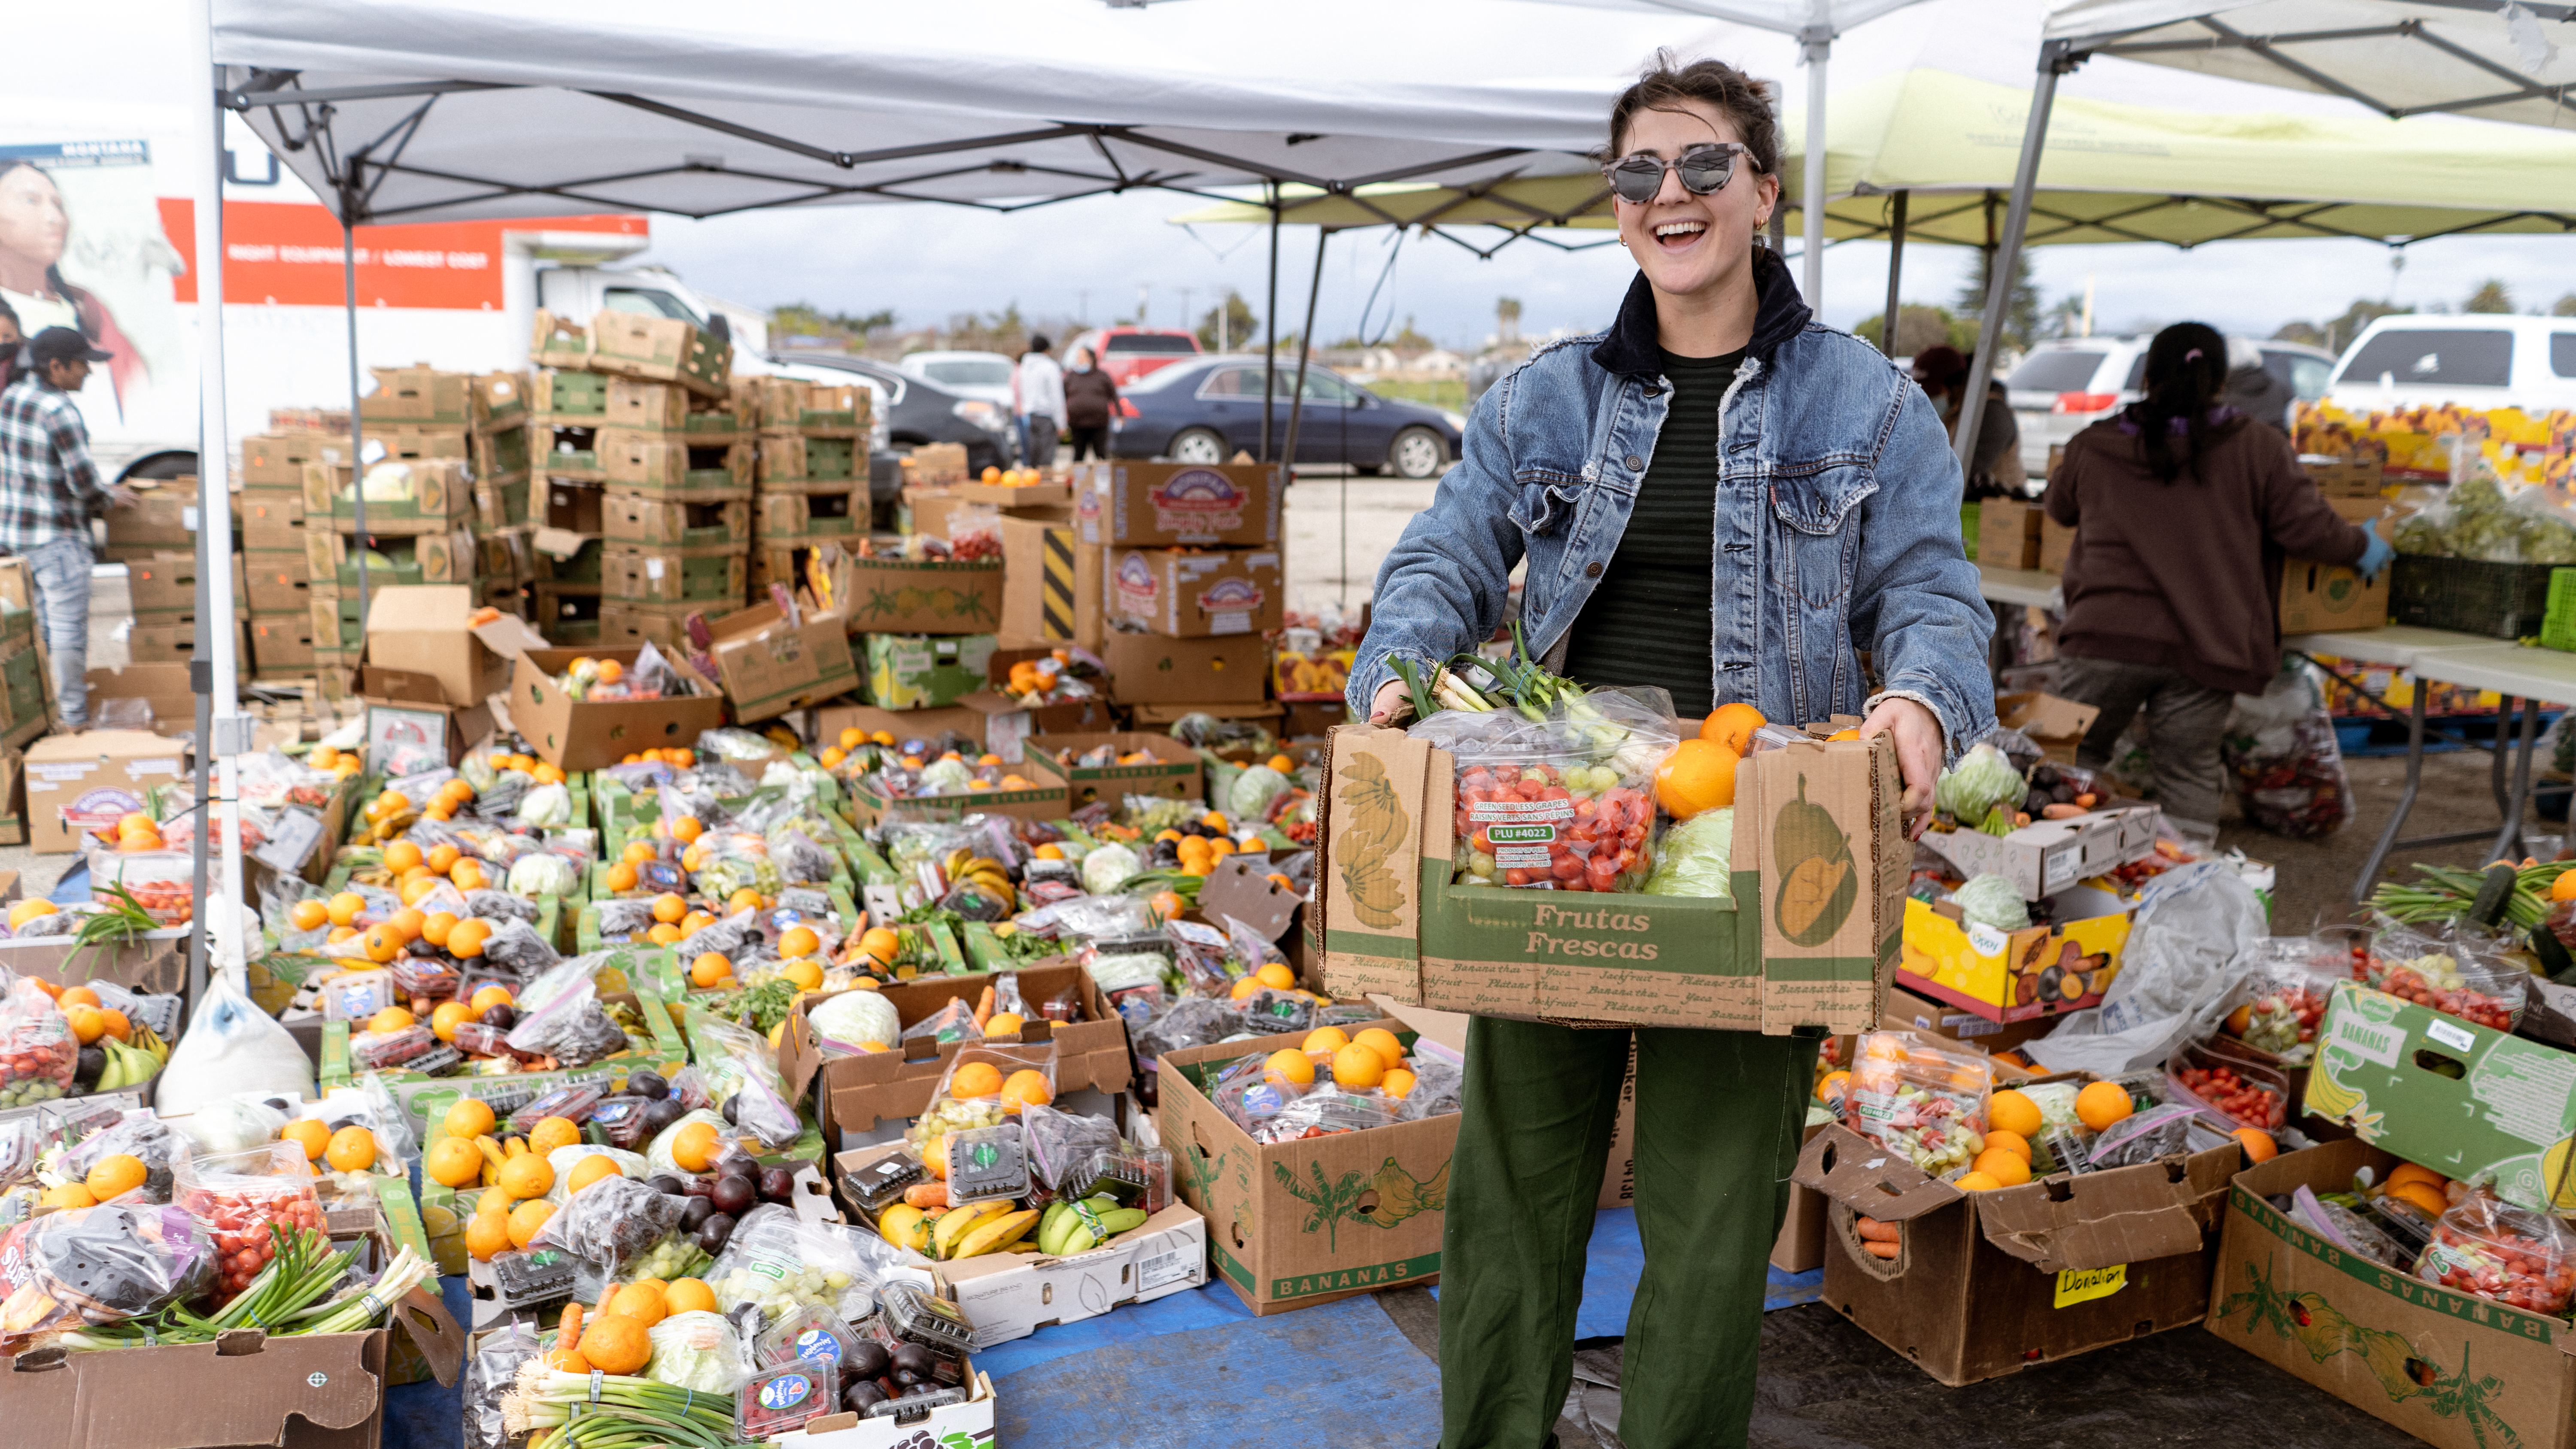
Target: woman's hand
x,y
1918,754
1390,698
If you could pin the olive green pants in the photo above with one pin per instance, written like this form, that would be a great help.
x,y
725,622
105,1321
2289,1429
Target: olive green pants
x,y
1719,1118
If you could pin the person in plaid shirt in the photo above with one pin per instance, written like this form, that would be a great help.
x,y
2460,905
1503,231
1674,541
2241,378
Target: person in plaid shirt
x,y
49,492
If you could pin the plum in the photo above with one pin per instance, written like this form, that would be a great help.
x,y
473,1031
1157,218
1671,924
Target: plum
x,y
647,1084
734,1196
695,1215
714,1233
777,1185
868,1360
859,1397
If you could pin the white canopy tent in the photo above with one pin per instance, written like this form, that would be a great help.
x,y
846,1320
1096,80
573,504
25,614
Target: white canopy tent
x,y
2493,59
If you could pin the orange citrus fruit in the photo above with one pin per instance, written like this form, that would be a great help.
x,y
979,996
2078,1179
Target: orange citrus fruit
x,y
669,909
1732,726
116,1173
471,1117
527,1218
1381,1041
694,1146
1277,977
453,1162
2102,1103
709,969
1698,776
881,943
390,1020
551,1133
688,1295
1358,1068
487,1235
2005,1167
1975,1182
975,1079
2013,1142
1294,1068
589,1170
2259,1146
2010,1111
352,1149
1325,1039
1026,1088
401,856
526,1176
313,1135
799,941
345,906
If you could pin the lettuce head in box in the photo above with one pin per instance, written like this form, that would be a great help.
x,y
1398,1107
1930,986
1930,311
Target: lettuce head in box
x,y
1693,859
1982,780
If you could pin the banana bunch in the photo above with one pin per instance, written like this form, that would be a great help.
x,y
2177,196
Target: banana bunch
x,y
965,867
131,1064
985,1227
497,1152
1079,1227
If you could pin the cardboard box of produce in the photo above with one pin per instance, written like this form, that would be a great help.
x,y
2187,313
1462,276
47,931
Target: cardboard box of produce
x,y
1173,772
430,496
2456,1371
1012,1295
633,518
577,507
1042,801
2056,725
429,558
914,672
430,629
1007,723
1987,1283
1158,505
2317,597
1051,585
161,517
921,724
934,510
163,688
568,399
272,520
1151,669
927,596
1195,595
79,783
1819,859
935,465
661,407
166,582
710,577
624,624
2014,976
2048,856
770,666
1280,1208
150,642
2008,534
814,409
968,1423
792,459
276,460
661,349
668,466
873,1097
2435,1089
583,734
406,709
1909,1011
805,517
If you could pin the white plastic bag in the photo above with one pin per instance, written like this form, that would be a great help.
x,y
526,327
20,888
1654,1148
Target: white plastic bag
x,y
2199,932
2284,760
231,1048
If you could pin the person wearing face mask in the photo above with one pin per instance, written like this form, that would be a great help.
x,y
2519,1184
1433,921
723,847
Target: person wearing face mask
x,y
1723,498
1089,399
1996,471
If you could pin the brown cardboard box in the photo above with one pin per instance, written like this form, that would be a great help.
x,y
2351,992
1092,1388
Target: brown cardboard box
x,y
431,495
662,407
624,624
770,666
870,1098
1173,774
2345,477
1007,725
428,629
815,409
661,349
806,517
166,582
163,517
2316,597
1276,1212
78,783
279,586
164,687
1158,505
1196,595
13,808
272,520
1991,1282
936,465
907,596
579,734
176,638
282,642
2455,1371
927,724
1012,1295
2056,725
420,394
630,518
671,464
1158,716
1811,937
576,507
2008,534
709,578
403,706
277,460
1151,669
1051,586
1045,801
934,510
2055,539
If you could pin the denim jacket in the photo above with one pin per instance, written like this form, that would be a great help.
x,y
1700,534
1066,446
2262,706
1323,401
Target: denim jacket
x,y
1837,527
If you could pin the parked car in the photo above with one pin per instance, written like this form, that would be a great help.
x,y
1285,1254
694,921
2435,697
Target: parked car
x,y
918,410
1129,353
972,374
2475,359
2063,387
1207,409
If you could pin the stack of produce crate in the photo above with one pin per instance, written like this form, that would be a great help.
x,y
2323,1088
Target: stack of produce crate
x,y
1191,575
813,472
278,573
568,408
157,540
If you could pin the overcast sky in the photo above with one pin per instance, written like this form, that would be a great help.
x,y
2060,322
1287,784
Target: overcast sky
x,y
1090,260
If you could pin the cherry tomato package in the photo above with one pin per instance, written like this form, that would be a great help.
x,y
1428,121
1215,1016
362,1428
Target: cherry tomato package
x,y
1920,1099
2520,1258
2289,985
1564,803
2215,1077
2456,974
37,1049
238,1196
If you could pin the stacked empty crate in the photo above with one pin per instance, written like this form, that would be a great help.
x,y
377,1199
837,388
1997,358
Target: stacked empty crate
x,y
813,472
649,468
277,569
156,539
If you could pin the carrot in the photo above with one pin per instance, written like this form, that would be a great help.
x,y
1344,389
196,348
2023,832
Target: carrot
x,y
984,1008
927,1194
570,1337
1878,1232
2088,800
2021,817
1883,1250
2060,812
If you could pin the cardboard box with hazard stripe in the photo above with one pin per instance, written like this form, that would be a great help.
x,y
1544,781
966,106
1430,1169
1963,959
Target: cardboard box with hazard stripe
x,y
1051,586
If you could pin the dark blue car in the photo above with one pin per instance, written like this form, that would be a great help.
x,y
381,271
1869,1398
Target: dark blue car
x,y
1207,409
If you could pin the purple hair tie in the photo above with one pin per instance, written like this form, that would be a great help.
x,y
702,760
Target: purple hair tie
x,y
2192,356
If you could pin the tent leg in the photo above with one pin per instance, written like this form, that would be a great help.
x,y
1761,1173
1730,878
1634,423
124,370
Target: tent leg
x,y
1270,325
2054,61
357,429
1305,349
225,733
1811,190
1895,272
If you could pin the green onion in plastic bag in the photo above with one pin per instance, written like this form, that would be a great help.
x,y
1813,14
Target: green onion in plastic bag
x,y
1694,858
1981,780
1992,900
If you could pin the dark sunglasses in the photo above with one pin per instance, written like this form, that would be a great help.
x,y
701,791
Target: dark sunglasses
x,y
1636,178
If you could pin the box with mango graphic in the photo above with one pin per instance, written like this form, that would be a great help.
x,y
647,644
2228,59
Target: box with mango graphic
x,y
1810,937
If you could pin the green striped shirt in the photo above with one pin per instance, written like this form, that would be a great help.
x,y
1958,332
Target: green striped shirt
x,y
1647,622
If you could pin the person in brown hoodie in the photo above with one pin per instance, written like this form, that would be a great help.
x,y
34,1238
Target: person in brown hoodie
x,y
1089,399
2183,510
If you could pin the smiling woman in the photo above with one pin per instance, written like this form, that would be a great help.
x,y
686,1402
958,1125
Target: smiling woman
x,y
1725,499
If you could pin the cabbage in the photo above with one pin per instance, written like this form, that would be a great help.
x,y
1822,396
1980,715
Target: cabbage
x,y
1693,858
946,777
1992,900
1104,868
1981,780
546,805
542,874
696,1350
857,1017
1250,796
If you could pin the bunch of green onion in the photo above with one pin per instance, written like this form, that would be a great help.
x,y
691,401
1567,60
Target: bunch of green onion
x,y
612,1411
286,1299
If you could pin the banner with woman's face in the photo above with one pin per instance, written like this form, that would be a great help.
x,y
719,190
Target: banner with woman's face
x,y
84,244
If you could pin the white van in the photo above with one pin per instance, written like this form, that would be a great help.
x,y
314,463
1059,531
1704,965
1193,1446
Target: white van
x,y
2064,386
2477,360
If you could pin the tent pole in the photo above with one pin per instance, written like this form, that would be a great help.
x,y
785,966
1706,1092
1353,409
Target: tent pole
x,y
357,429
1811,191
1305,349
227,733
2054,61
201,673
1895,272
1270,324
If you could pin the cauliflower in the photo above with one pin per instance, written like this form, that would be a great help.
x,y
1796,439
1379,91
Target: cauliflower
x,y
1104,868
546,805
946,777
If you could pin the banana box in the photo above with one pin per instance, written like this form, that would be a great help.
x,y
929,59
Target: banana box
x,y
2010,976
